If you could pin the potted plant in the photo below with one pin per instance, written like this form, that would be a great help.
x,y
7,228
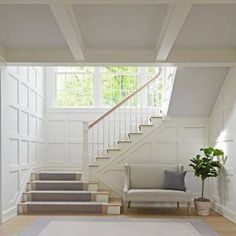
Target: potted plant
x,y
205,165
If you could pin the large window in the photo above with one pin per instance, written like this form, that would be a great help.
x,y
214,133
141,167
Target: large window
x,y
104,86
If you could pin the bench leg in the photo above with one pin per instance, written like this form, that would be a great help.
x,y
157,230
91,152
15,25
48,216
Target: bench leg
x,y
125,206
129,203
189,208
177,205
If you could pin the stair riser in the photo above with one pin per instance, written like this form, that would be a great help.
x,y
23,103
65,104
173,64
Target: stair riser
x,y
156,122
56,176
75,209
135,138
65,197
113,154
59,197
101,161
124,146
146,129
57,186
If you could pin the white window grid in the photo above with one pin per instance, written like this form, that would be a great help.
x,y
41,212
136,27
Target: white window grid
x,y
97,86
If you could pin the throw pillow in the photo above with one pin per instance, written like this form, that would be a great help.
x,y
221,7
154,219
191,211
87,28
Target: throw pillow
x,y
175,180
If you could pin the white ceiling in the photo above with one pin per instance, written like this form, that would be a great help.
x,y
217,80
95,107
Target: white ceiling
x,y
120,26
194,32
209,26
195,91
29,27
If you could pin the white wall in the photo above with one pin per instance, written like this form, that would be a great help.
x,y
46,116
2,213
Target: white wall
x,y
64,136
22,131
223,135
195,91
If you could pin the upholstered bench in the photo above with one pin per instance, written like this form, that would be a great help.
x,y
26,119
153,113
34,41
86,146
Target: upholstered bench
x,y
146,183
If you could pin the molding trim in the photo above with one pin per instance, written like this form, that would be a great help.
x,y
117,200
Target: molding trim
x,y
9,213
227,213
115,1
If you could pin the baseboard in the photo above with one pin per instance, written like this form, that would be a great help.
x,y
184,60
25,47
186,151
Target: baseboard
x,y
227,213
8,214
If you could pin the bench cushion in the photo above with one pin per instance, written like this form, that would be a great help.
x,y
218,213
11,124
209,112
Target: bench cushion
x,y
157,195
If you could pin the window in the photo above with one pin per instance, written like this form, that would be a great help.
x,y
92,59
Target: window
x,y
106,86
74,87
117,83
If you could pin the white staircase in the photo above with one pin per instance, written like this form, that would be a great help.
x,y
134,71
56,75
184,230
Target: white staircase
x,y
125,124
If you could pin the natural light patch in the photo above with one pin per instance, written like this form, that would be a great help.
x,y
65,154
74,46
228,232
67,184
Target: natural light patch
x,y
106,86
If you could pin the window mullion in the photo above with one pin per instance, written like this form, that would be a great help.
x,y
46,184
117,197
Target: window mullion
x,y
97,87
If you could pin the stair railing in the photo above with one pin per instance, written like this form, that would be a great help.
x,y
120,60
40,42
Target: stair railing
x,y
121,120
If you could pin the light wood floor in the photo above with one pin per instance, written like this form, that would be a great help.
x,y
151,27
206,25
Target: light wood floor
x,y
217,222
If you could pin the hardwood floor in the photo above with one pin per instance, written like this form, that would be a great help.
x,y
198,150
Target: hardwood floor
x,y
217,222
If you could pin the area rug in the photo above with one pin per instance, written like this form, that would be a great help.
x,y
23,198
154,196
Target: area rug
x,y
117,226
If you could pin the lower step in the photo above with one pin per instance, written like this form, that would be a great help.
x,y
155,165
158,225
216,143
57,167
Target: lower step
x,y
65,196
65,176
68,207
61,185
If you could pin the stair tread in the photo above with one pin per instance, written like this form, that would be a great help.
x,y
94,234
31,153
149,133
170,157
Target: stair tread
x,y
56,172
70,203
102,157
146,125
63,203
124,141
68,192
93,165
157,117
63,181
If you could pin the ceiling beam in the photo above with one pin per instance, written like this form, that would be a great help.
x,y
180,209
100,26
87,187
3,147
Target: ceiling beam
x,y
65,18
203,57
115,1
178,57
176,16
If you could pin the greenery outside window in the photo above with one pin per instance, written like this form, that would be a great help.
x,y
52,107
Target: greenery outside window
x,y
84,87
74,88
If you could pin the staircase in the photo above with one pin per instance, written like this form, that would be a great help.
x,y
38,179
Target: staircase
x,y
103,140
125,124
64,192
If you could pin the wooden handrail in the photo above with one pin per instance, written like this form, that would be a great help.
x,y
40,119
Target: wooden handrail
x,y
124,100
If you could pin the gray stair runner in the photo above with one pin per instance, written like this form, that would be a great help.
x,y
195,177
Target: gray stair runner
x,y
59,185
55,192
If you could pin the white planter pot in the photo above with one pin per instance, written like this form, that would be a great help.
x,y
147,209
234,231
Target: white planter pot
x,y
202,208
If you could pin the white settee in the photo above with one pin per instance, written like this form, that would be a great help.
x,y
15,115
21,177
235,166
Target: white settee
x,y
145,182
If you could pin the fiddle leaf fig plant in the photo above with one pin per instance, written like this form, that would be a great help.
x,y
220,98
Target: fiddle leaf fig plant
x,y
205,165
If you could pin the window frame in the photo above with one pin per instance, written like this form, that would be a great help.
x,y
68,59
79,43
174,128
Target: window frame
x,y
142,75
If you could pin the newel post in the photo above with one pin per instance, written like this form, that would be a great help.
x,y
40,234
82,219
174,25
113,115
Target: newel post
x,y
85,157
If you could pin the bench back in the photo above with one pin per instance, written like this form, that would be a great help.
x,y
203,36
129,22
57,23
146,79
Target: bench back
x,y
149,176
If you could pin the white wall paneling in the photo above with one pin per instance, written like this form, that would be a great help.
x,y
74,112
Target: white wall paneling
x,y
22,130
64,136
223,126
175,141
